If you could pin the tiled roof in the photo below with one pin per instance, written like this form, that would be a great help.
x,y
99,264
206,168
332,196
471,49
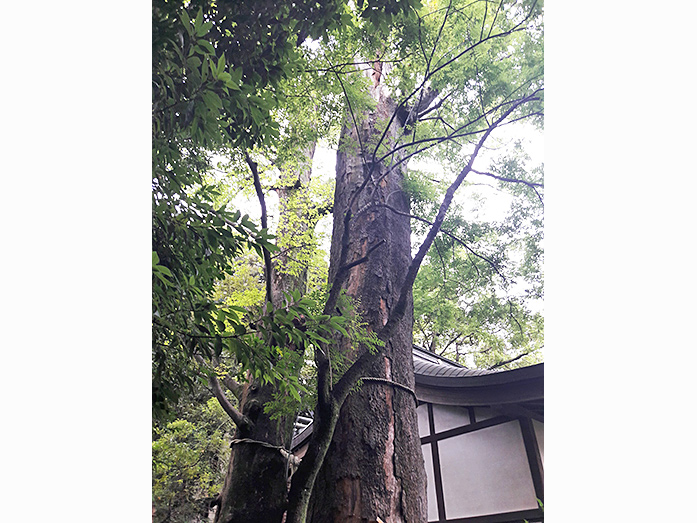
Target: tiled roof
x,y
425,368
429,364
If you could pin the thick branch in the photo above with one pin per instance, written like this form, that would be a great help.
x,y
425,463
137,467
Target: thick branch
x,y
364,258
242,421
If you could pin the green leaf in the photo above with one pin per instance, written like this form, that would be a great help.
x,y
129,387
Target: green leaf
x,y
198,21
294,393
164,270
238,309
163,278
205,27
205,43
185,19
236,76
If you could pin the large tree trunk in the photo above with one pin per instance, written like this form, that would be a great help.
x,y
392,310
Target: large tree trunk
x,y
374,466
256,483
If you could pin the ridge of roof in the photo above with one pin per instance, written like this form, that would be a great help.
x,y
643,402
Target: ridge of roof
x,y
427,354
430,374
431,368
425,365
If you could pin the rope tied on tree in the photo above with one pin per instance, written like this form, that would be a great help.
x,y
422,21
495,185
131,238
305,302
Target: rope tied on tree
x,y
285,453
393,383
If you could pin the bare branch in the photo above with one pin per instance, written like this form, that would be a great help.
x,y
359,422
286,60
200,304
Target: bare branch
x,y
264,222
532,185
458,133
496,14
514,29
502,363
512,180
334,68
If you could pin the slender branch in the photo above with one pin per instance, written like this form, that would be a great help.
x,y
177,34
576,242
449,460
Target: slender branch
x,y
264,223
442,263
457,133
333,68
209,336
350,108
532,185
437,106
486,11
502,363
450,137
512,180
440,32
514,29
510,314
496,14
447,346
447,233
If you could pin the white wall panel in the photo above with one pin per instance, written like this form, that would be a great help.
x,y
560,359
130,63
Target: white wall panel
x,y
431,484
447,417
540,435
482,413
486,472
422,414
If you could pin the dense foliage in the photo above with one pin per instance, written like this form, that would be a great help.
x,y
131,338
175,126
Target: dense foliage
x,y
190,456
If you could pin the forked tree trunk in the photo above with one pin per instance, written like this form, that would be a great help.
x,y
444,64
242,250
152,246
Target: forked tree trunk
x,y
374,466
255,488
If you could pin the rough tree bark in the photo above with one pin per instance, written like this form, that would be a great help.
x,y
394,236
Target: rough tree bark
x,y
255,487
374,466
